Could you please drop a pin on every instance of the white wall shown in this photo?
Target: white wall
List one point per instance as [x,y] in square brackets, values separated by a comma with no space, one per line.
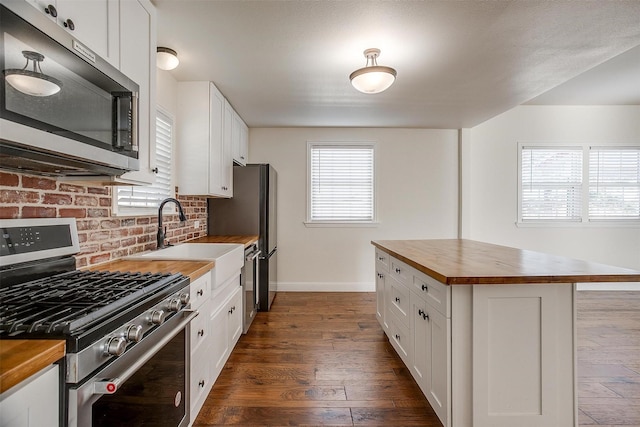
[493,176]
[417,195]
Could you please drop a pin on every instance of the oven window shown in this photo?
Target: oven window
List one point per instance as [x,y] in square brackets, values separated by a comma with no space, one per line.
[153,396]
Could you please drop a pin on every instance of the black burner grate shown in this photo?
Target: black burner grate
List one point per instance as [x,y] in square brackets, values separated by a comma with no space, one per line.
[67,302]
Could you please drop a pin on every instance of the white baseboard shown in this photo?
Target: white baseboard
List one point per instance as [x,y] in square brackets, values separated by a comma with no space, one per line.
[628,286]
[326,287]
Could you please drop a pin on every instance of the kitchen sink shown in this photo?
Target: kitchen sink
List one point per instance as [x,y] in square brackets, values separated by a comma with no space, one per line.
[228,257]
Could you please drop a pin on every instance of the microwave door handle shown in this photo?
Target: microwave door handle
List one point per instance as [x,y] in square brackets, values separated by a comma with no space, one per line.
[110,386]
[134,121]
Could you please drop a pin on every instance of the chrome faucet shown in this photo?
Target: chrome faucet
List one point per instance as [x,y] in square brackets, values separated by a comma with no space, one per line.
[161,232]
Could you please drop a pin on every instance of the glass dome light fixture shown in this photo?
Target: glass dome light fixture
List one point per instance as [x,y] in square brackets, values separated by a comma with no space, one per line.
[166,59]
[373,78]
[34,83]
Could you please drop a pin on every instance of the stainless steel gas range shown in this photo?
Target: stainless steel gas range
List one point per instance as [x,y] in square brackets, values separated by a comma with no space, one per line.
[126,333]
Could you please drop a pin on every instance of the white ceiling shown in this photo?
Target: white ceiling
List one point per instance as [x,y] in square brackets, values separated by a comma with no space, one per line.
[459,63]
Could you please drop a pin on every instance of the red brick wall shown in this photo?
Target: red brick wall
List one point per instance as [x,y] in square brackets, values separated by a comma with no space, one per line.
[103,237]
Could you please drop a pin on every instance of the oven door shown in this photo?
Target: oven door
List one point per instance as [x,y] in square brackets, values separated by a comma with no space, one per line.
[146,386]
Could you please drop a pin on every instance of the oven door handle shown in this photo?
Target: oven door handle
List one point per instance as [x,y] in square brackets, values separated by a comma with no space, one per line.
[110,386]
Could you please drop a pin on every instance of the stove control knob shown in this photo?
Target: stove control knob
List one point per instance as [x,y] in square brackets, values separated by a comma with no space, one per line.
[174,305]
[133,333]
[115,346]
[157,317]
[185,298]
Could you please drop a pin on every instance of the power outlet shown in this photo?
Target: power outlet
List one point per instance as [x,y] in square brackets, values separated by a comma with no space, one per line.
[196,224]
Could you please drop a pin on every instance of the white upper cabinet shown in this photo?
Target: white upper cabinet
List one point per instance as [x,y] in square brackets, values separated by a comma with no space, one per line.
[137,61]
[240,139]
[94,23]
[201,150]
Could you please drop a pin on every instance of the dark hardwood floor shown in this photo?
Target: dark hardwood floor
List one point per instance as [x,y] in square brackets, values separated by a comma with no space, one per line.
[609,358]
[322,359]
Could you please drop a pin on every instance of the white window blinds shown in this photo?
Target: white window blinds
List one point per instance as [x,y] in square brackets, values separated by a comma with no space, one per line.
[614,183]
[551,184]
[150,196]
[341,182]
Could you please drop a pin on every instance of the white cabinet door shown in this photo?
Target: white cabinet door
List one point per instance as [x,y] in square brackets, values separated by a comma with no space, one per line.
[32,403]
[137,61]
[380,299]
[240,137]
[438,380]
[219,350]
[217,125]
[93,23]
[235,317]
[226,155]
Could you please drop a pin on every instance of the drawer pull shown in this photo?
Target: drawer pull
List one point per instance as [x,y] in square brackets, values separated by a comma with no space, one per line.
[380,276]
[380,258]
[201,332]
[201,383]
[425,288]
[398,337]
[200,292]
[398,270]
[397,299]
[424,315]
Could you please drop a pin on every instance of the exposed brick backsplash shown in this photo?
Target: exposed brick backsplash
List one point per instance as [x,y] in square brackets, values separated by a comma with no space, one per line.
[102,235]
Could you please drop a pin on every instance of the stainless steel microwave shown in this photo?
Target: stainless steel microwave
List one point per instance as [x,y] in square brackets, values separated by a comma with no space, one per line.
[64,111]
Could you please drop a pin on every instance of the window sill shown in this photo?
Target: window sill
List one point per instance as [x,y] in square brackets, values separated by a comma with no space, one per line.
[574,224]
[338,224]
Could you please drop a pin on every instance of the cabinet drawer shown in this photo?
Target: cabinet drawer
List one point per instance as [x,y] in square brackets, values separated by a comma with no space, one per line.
[400,338]
[432,291]
[398,302]
[382,261]
[200,327]
[200,290]
[401,271]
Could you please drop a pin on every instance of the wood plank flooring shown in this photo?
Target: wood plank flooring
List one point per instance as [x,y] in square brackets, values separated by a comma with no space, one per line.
[609,358]
[322,359]
[316,359]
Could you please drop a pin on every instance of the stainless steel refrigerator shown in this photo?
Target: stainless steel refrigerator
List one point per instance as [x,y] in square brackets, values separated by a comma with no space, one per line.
[252,211]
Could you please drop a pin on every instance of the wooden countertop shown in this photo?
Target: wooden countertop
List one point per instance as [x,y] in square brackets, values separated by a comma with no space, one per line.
[245,240]
[465,262]
[193,269]
[19,359]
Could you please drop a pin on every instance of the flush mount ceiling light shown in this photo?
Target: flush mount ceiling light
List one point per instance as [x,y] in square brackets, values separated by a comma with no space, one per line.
[373,78]
[35,82]
[166,59]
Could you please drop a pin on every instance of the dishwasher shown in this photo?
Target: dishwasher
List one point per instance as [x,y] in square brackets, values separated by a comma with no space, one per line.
[249,281]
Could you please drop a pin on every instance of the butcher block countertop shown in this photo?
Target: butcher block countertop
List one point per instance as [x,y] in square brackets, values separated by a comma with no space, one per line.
[193,269]
[19,359]
[245,240]
[468,262]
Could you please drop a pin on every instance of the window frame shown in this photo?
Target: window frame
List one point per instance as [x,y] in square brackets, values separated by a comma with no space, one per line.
[309,222]
[151,211]
[586,220]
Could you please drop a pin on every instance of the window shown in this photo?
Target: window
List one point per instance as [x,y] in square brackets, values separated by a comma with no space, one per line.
[614,183]
[551,184]
[146,199]
[341,183]
[579,183]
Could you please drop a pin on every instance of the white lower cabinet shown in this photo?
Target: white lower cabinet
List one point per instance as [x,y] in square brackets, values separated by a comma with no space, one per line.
[483,355]
[412,310]
[214,333]
[431,345]
[32,403]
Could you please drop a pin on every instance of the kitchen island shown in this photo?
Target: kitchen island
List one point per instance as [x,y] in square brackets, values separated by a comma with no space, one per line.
[487,331]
